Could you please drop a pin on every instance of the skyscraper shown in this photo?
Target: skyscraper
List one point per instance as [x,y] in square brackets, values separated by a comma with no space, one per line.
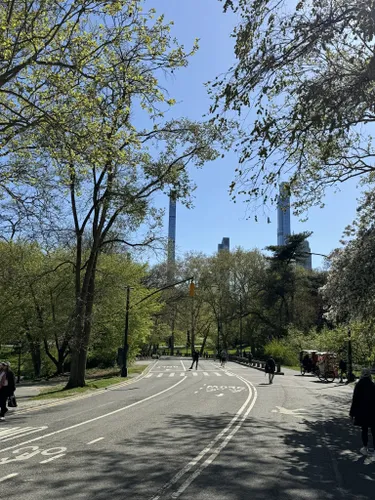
[224,245]
[283,214]
[171,236]
[305,259]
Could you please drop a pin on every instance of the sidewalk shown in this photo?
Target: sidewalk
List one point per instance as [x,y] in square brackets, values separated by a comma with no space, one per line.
[25,392]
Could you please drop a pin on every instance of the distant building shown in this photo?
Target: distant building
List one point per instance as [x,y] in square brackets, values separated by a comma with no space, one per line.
[224,245]
[283,215]
[305,260]
[171,258]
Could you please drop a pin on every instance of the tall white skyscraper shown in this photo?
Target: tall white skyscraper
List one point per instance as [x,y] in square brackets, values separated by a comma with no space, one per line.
[283,214]
[171,236]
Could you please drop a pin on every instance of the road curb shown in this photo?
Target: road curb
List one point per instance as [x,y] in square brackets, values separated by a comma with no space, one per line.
[50,404]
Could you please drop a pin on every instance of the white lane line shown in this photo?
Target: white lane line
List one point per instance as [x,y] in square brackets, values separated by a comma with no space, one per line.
[52,458]
[171,374]
[148,375]
[9,476]
[96,440]
[219,395]
[216,452]
[182,374]
[159,375]
[22,432]
[209,447]
[114,412]
[205,374]
[183,366]
[195,374]
[217,374]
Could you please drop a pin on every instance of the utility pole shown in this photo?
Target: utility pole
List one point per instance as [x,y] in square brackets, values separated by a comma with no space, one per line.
[124,369]
[191,293]
[241,326]
[350,358]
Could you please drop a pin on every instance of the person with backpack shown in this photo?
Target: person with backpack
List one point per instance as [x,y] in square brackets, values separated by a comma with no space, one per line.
[270,369]
[3,391]
[195,360]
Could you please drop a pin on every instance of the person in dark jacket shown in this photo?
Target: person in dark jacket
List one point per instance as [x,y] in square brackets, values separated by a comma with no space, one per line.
[11,379]
[343,370]
[270,368]
[195,360]
[363,408]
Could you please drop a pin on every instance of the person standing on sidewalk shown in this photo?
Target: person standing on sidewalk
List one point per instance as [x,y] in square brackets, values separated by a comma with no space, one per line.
[195,360]
[270,369]
[363,409]
[3,391]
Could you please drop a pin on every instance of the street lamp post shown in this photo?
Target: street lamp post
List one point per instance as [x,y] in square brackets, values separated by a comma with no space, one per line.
[241,326]
[124,369]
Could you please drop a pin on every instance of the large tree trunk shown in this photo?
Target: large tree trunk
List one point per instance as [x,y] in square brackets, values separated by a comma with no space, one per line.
[82,330]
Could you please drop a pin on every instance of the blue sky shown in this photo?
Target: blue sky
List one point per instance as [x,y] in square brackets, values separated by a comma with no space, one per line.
[214,214]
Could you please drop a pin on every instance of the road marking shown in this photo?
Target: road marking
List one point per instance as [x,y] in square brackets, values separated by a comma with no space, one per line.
[219,395]
[249,403]
[9,476]
[182,374]
[52,458]
[15,432]
[148,375]
[171,374]
[216,452]
[205,374]
[183,366]
[217,374]
[114,412]
[159,375]
[96,440]
[195,374]
[293,413]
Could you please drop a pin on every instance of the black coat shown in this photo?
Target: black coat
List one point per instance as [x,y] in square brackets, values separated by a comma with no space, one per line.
[11,382]
[363,403]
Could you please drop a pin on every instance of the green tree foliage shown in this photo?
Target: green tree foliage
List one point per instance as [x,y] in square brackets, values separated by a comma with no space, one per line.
[307,69]
[95,175]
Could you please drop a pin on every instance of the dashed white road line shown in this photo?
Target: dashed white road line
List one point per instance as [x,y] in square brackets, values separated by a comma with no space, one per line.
[195,374]
[52,458]
[217,374]
[183,366]
[241,415]
[95,419]
[205,374]
[171,374]
[9,476]
[159,375]
[95,440]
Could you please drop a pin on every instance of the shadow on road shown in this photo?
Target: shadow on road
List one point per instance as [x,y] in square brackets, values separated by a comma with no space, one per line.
[266,460]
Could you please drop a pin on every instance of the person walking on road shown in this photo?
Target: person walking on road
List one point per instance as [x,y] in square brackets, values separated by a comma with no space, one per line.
[224,357]
[270,369]
[195,360]
[362,409]
[11,385]
[343,370]
[3,391]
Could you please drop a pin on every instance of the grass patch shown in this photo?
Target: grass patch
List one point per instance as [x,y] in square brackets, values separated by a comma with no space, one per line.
[95,380]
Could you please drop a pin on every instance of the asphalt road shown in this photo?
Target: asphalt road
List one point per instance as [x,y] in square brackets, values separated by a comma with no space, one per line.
[210,434]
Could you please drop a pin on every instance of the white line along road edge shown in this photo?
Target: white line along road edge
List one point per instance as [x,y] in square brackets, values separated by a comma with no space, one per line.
[65,429]
[242,414]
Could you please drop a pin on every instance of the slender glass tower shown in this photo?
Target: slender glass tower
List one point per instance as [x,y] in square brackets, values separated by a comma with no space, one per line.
[171,259]
[283,214]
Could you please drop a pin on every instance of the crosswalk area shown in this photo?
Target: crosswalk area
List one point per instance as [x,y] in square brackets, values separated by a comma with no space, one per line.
[188,373]
[8,433]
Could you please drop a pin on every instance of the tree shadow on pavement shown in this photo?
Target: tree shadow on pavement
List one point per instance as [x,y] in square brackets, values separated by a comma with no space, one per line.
[267,459]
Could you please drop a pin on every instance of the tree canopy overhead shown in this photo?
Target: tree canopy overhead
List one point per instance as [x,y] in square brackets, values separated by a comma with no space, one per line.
[307,70]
